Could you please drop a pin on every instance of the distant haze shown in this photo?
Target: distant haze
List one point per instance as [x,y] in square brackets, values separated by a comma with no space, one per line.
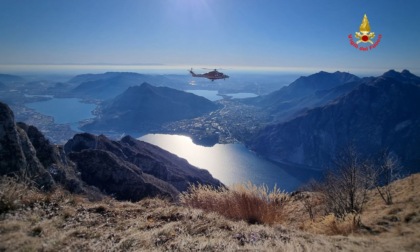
[182,70]
[293,36]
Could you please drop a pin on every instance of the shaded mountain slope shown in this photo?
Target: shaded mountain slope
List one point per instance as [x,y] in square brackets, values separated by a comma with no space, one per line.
[17,154]
[9,79]
[146,107]
[305,93]
[121,179]
[144,157]
[378,115]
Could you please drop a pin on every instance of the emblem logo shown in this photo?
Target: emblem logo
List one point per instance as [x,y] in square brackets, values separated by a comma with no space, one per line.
[364,35]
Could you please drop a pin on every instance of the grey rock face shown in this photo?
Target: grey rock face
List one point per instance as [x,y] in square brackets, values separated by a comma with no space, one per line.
[148,158]
[17,154]
[119,178]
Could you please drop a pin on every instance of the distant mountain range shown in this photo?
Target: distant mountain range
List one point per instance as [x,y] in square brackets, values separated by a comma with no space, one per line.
[108,85]
[11,79]
[372,114]
[145,107]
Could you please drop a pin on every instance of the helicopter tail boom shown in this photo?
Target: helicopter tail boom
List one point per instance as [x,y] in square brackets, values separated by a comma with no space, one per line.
[192,73]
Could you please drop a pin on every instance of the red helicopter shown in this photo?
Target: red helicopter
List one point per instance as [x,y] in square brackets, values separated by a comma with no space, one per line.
[212,75]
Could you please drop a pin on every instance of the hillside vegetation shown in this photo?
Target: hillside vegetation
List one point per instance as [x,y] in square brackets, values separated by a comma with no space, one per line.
[32,220]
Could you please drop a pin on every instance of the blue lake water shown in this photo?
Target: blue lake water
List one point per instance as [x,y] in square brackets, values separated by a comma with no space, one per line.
[64,110]
[242,95]
[212,95]
[230,163]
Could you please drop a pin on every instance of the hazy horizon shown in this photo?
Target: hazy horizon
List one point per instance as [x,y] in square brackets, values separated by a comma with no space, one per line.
[162,69]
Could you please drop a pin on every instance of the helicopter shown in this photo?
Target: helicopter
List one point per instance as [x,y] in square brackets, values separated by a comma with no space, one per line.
[212,75]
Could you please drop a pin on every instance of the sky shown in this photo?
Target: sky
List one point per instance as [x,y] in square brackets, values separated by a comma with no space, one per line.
[247,34]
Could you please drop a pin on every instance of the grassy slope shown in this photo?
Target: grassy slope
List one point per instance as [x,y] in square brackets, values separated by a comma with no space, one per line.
[61,221]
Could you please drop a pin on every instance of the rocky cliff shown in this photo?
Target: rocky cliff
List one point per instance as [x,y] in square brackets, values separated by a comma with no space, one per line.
[143,157]
[17,154]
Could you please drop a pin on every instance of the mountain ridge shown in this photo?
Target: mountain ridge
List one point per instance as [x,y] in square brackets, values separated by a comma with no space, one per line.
[381,110]
[146,107]
[304,93]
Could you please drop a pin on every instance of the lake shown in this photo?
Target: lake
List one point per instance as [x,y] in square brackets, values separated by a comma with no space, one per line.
[230,163]
[64,110]
[213,95]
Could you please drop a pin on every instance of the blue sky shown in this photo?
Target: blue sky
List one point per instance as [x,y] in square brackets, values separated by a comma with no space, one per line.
[216,33]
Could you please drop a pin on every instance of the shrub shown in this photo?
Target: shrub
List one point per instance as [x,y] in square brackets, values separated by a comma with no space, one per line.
[15,193]
[331,225]
[246,202]
[388,170]
[346,186]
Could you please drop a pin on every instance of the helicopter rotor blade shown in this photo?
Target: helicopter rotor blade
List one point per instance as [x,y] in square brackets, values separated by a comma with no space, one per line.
[217,68]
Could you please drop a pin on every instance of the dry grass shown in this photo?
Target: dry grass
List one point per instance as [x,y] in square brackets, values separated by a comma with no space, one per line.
[246,202]
[60,221]
[14,194]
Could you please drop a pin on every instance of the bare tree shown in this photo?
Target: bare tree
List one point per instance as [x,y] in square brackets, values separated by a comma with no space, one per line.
[346,186]
[388,170]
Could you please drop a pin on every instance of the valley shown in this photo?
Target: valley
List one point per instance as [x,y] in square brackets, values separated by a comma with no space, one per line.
[234,122]
[300,126]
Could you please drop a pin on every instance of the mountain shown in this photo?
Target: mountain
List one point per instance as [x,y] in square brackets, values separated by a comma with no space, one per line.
[140,157]
[3,86]
[127,170]
[145,107]
[380,114]
[119,178]
[404,76]
[11,79]
[304,93]
[308,84]
[110,84]
[17,153]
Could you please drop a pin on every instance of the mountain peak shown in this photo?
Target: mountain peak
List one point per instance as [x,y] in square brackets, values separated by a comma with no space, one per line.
[145,107]
[146,85]
[404,76]
[405,71]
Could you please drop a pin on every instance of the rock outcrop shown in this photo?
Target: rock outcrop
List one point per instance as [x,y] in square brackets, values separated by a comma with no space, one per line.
[119,178]
[17,154]
[144,157]
[54,160]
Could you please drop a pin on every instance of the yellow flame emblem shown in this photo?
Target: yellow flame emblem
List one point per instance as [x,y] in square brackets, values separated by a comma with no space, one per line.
[365,36]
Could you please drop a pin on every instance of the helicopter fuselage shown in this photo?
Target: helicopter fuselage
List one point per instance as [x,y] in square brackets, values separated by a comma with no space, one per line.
[212,75]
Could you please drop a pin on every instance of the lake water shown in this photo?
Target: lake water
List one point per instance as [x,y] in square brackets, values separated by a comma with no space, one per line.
[213,95]
[64,110]
[230,163]
[242,95]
